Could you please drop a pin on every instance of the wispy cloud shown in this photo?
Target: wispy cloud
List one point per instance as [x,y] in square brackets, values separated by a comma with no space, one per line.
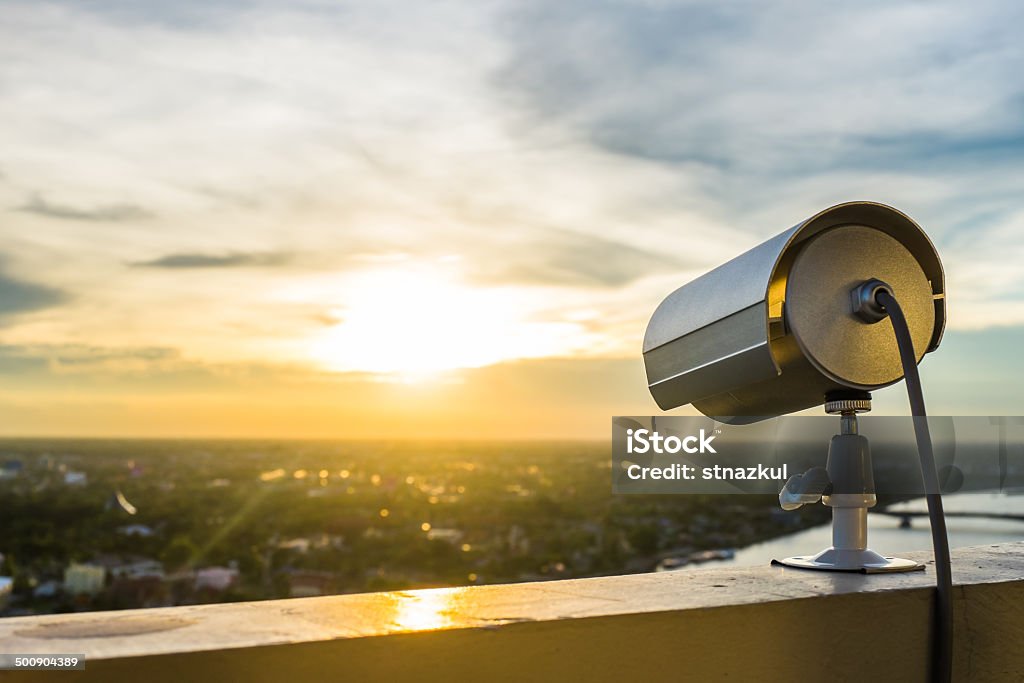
[57,358]
[572,259]
[22,296]
[230,260]
[126,392]
[37,204]
[769,93]
[775,120]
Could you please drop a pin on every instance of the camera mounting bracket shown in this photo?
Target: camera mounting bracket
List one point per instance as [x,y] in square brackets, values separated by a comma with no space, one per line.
[849,491]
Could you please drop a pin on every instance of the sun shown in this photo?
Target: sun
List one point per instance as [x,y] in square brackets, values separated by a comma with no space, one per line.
[413,323]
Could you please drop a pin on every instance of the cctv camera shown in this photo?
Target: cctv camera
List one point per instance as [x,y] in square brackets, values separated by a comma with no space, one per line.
[794,319]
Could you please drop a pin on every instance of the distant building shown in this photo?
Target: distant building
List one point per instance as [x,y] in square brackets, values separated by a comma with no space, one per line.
[73,478]
[303,545]
[6,587]
[452,536]
[518,542]
[310,584]
[10,469]
[85,579]
[138,569]
[140,530]
[216,578]
[47,589]
[130,567]
[299,545]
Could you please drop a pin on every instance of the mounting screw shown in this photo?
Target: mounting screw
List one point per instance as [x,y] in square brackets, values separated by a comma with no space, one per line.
[865,302]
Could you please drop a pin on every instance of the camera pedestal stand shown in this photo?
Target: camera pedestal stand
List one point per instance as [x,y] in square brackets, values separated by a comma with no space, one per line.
[847,486]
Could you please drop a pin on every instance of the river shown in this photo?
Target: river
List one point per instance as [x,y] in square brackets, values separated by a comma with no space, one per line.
[886,537]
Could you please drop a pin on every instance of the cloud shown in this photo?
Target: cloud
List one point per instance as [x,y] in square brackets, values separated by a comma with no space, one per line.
[21,296]
[571,259]
[775,121]
[78,370]
[114,213]
[186,260]
[725,85]
[553,397]
[570,148]
[182,398]
[80,357]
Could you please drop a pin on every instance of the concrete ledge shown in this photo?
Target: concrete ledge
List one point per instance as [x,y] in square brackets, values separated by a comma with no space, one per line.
[763,623]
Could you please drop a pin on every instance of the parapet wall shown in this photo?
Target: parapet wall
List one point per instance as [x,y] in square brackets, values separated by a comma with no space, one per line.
[736,624]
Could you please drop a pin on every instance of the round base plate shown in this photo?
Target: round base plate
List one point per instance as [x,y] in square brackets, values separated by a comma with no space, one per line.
[863,561]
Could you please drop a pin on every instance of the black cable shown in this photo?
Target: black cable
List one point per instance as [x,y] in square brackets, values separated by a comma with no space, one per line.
[942,655]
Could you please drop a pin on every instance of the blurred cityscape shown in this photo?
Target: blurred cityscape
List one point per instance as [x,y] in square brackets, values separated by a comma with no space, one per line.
[97,524]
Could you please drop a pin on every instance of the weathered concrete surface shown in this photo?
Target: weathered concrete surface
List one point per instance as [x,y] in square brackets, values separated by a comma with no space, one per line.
[763,623]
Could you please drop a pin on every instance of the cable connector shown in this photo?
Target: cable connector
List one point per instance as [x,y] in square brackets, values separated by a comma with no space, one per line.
[864,298]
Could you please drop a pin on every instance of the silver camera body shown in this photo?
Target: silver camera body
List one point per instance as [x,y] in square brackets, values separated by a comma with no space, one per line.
[775,329]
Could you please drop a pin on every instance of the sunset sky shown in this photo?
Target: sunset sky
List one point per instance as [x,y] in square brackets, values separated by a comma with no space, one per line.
[397,218]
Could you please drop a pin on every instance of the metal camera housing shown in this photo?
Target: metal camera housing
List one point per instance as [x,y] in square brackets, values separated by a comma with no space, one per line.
[777,328]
